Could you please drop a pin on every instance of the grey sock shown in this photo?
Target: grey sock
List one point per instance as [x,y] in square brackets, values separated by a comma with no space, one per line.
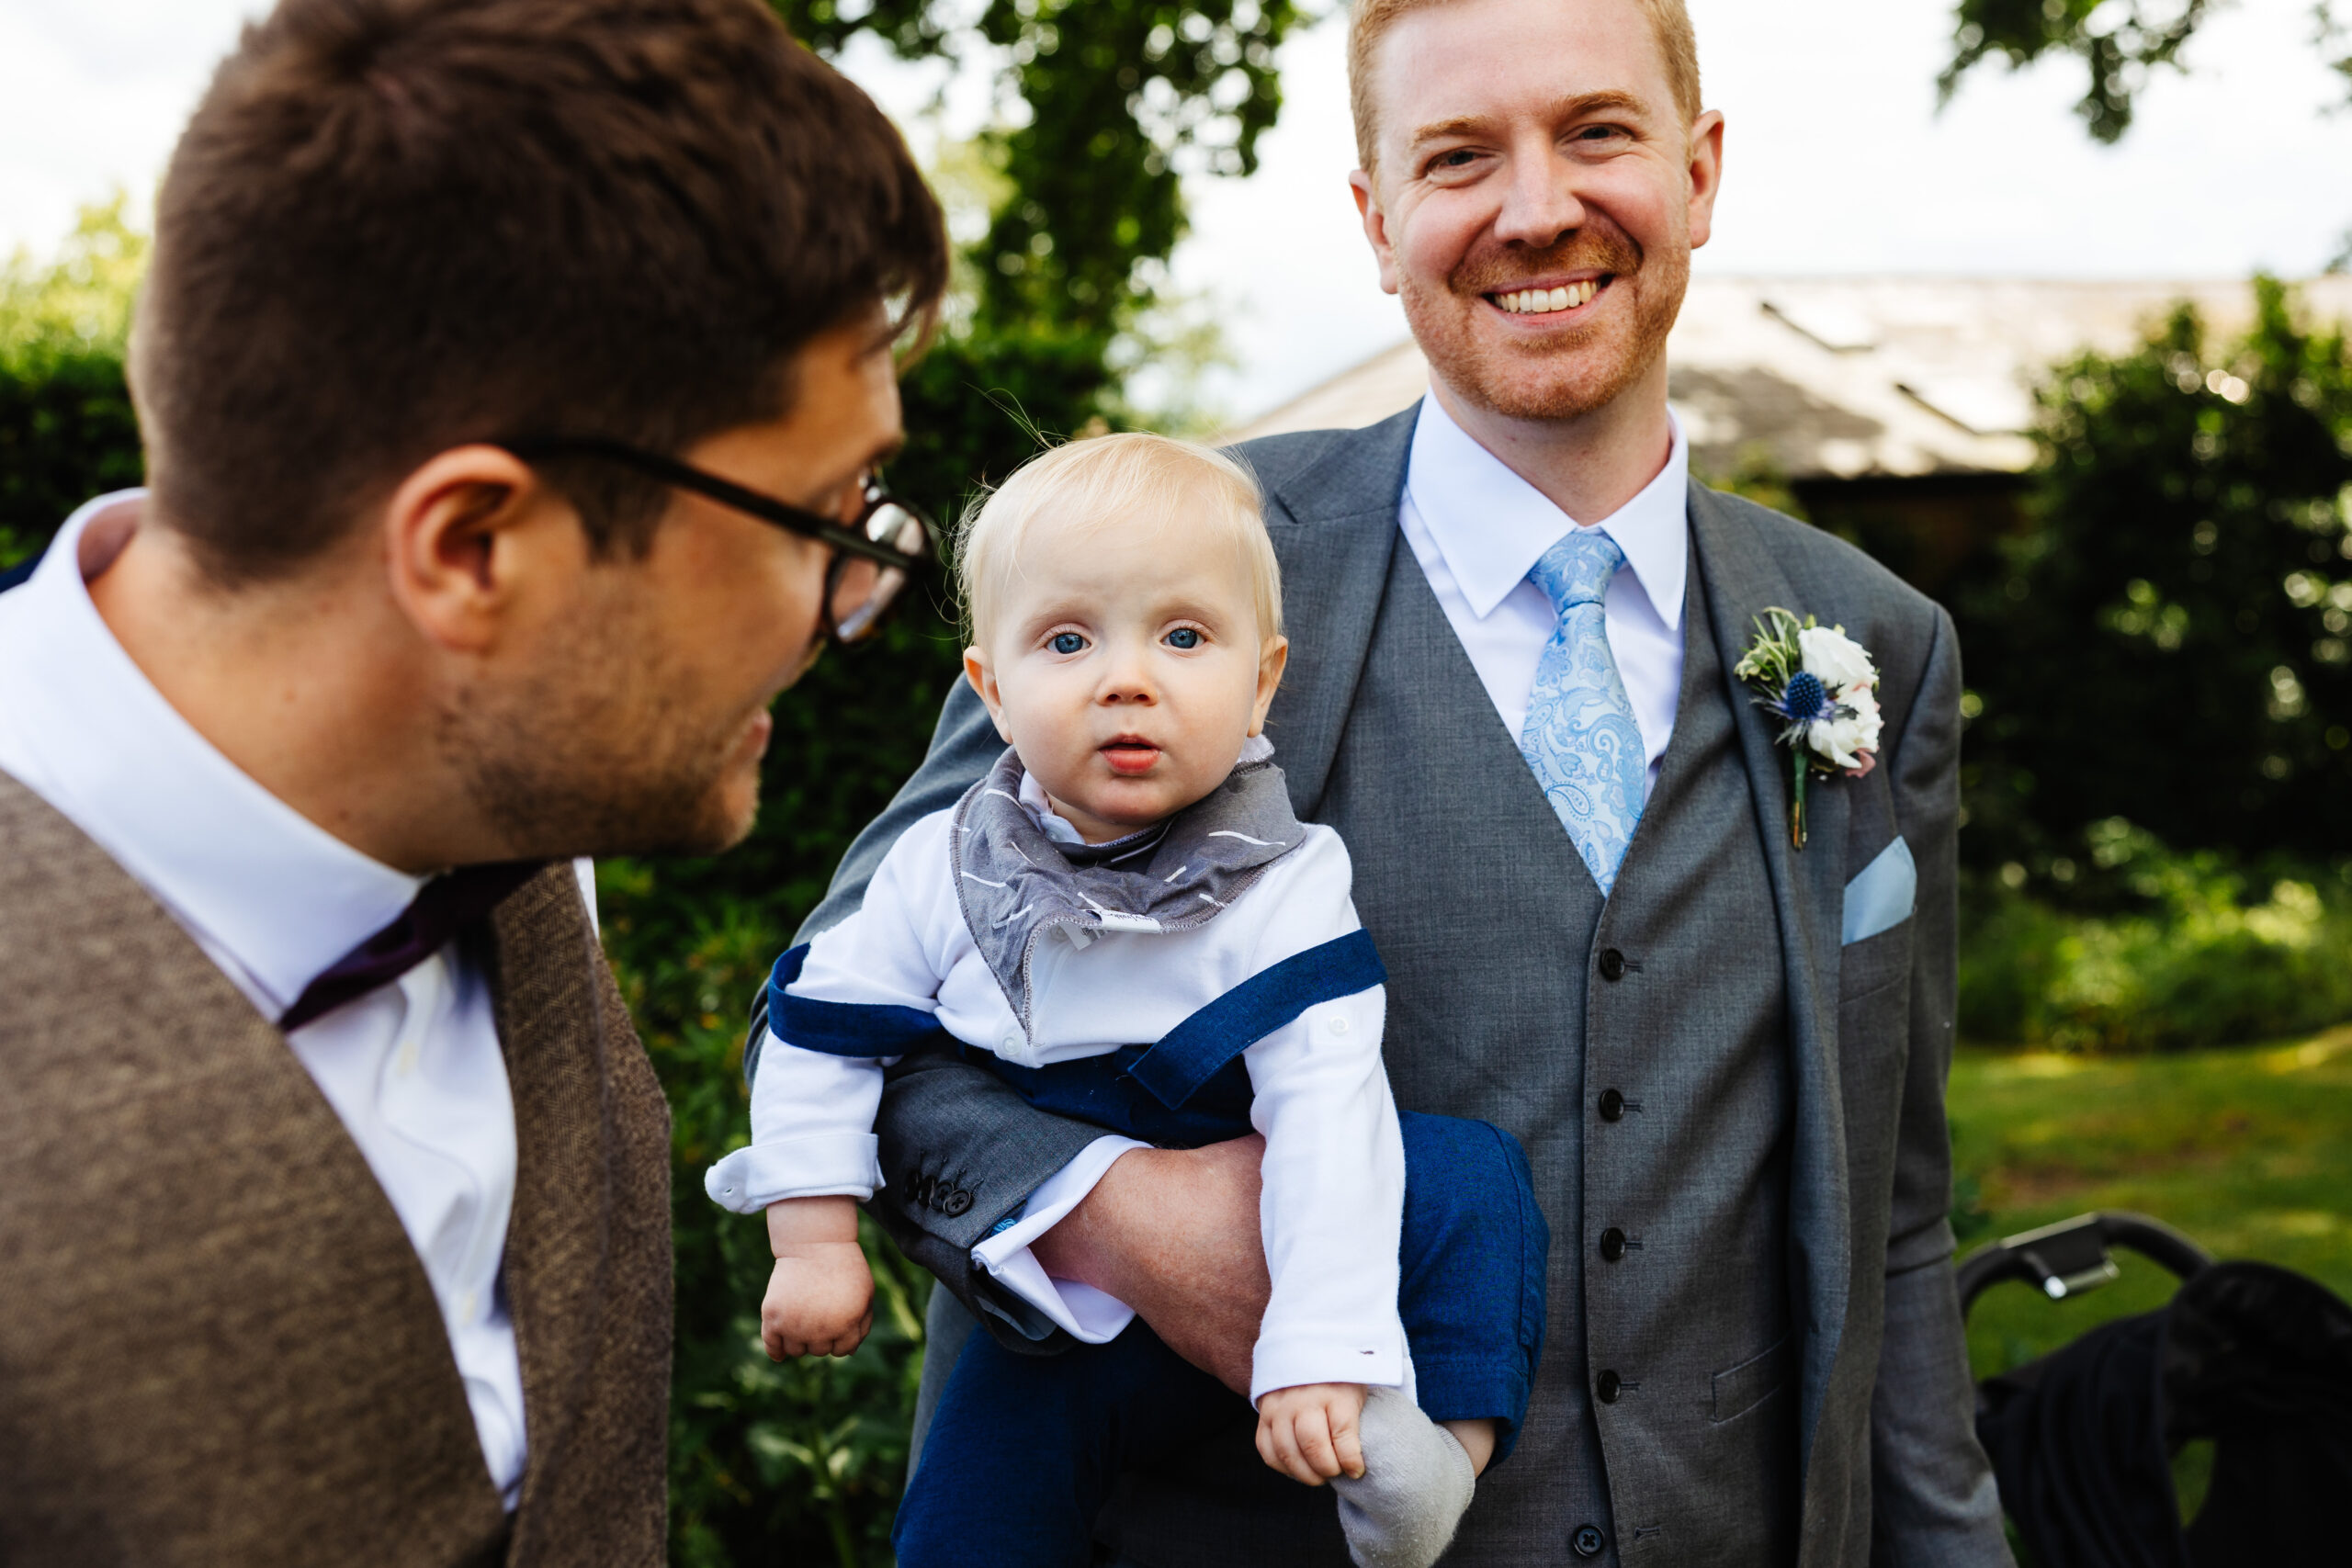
[1417,1481]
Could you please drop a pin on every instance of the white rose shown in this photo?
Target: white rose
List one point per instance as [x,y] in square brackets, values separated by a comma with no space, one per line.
[1845,740]
[1835,658]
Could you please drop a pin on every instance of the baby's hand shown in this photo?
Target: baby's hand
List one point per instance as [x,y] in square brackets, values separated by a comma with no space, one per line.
[821,1295]
[1309,1432]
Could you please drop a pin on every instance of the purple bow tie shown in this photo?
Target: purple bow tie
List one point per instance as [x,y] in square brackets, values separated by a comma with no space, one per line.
[446,906]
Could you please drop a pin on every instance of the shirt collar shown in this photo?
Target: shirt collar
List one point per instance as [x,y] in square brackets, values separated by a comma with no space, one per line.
[284,898]
[1492,526]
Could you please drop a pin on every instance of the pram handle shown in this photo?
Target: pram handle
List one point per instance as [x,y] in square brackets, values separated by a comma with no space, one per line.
[2072,1256]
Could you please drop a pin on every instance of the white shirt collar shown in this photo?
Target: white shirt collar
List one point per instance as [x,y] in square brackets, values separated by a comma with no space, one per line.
[86,730]
[1492,526]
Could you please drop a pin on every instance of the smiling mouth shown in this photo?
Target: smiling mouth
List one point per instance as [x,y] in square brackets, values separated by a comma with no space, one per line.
[1130,754]
[1560,299]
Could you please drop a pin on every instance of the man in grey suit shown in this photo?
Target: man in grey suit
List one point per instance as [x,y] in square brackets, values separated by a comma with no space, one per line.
[1725,1054]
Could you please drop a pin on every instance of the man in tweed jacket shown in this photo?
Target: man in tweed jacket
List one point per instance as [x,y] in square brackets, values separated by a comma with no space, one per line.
[334,1180]
[1724,1054]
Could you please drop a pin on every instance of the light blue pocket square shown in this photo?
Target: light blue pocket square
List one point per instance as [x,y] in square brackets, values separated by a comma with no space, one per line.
[1882,897]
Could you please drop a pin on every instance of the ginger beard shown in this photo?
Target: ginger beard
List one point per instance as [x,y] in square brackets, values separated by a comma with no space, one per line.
[1568,370]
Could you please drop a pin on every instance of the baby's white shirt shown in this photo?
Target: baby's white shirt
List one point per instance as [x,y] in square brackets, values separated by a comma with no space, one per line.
[1334,1169]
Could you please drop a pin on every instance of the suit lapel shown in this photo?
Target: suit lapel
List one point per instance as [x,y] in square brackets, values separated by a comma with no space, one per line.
[1334,527]
[559,1243]
[1808,888]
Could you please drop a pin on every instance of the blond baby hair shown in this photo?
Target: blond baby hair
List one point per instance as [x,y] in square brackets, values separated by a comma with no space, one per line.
[1127,481]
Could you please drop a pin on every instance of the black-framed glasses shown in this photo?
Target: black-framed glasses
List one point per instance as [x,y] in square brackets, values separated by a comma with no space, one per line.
[875,554]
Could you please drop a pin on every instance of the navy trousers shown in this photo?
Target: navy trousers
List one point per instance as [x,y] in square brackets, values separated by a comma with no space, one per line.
[1023,1450]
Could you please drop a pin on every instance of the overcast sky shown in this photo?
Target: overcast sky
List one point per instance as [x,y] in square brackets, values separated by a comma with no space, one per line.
[1837,161]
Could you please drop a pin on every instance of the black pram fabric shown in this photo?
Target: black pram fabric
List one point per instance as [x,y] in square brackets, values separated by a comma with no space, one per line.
[2254,1358]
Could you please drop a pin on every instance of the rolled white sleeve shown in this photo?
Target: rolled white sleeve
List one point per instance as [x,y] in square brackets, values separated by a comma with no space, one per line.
[812,1132]
[812,1112]
[1092,1317]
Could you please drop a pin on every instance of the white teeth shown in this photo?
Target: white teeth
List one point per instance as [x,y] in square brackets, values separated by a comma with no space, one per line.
[1544,301]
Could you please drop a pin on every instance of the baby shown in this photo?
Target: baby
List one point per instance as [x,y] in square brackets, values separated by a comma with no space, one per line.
[1125,921]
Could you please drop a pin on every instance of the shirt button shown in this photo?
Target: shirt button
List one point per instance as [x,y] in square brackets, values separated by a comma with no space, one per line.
[1608,1385]
[467,1306]
[1612,1105]
[1612,965]
[1011,1042]
[1587,1541]
[405,1063]
[1338,1025]
[1612,1244]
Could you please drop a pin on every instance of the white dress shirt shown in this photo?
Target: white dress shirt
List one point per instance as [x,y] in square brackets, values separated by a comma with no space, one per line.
[1334,1168]
[414,1070]
[1478,529]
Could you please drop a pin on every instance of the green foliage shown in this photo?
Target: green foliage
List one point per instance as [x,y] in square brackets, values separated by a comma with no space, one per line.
[78,304]
[801,1460]
[66,433]
[2171,640]
[66,428]
[1120,98]
[2137,948]
[2119,41]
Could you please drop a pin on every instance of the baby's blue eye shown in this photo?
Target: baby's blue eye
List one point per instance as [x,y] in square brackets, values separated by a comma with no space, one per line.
[1067,642]
[1184,636]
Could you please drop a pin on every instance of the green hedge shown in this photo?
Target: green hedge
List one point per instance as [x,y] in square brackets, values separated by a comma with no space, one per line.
[66,433]
[2137,948]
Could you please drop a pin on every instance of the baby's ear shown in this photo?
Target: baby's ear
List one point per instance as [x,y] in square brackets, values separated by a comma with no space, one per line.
[1273,656]
[983,680]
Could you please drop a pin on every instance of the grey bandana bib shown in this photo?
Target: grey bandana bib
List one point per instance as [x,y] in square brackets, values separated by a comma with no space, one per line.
[1018,886]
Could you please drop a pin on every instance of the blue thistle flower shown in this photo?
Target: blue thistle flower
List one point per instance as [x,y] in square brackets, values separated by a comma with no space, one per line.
[1803,700]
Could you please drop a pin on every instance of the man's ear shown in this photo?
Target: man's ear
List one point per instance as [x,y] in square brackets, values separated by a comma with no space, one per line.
[1272,658]
[1706,175]
[1375,226]
[467,534]
[983,680]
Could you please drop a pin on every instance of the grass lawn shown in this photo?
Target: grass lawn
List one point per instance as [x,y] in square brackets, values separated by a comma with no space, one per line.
[2249,1151]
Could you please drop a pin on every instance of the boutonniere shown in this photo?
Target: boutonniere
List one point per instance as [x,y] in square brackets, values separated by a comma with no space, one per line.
[1823,687]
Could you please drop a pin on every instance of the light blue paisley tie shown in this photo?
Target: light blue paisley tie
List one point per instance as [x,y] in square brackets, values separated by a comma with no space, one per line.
[1580,737]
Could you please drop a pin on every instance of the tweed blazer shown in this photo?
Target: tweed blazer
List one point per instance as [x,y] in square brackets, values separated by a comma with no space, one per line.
[1891,1470]
[217,1343]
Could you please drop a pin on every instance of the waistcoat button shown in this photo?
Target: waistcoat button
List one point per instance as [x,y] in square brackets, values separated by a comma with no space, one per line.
[1612,965]
[1612,1244]
[1608,1385]
[1612,1105]
[1587,1541]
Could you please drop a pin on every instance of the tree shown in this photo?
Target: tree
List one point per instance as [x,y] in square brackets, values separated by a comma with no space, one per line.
[2170,641]
[2121,42]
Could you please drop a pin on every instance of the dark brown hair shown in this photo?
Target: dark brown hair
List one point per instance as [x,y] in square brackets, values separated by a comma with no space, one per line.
[395,226]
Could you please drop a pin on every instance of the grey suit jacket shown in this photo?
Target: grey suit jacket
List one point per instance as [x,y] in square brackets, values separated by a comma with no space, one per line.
[1891,1471]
